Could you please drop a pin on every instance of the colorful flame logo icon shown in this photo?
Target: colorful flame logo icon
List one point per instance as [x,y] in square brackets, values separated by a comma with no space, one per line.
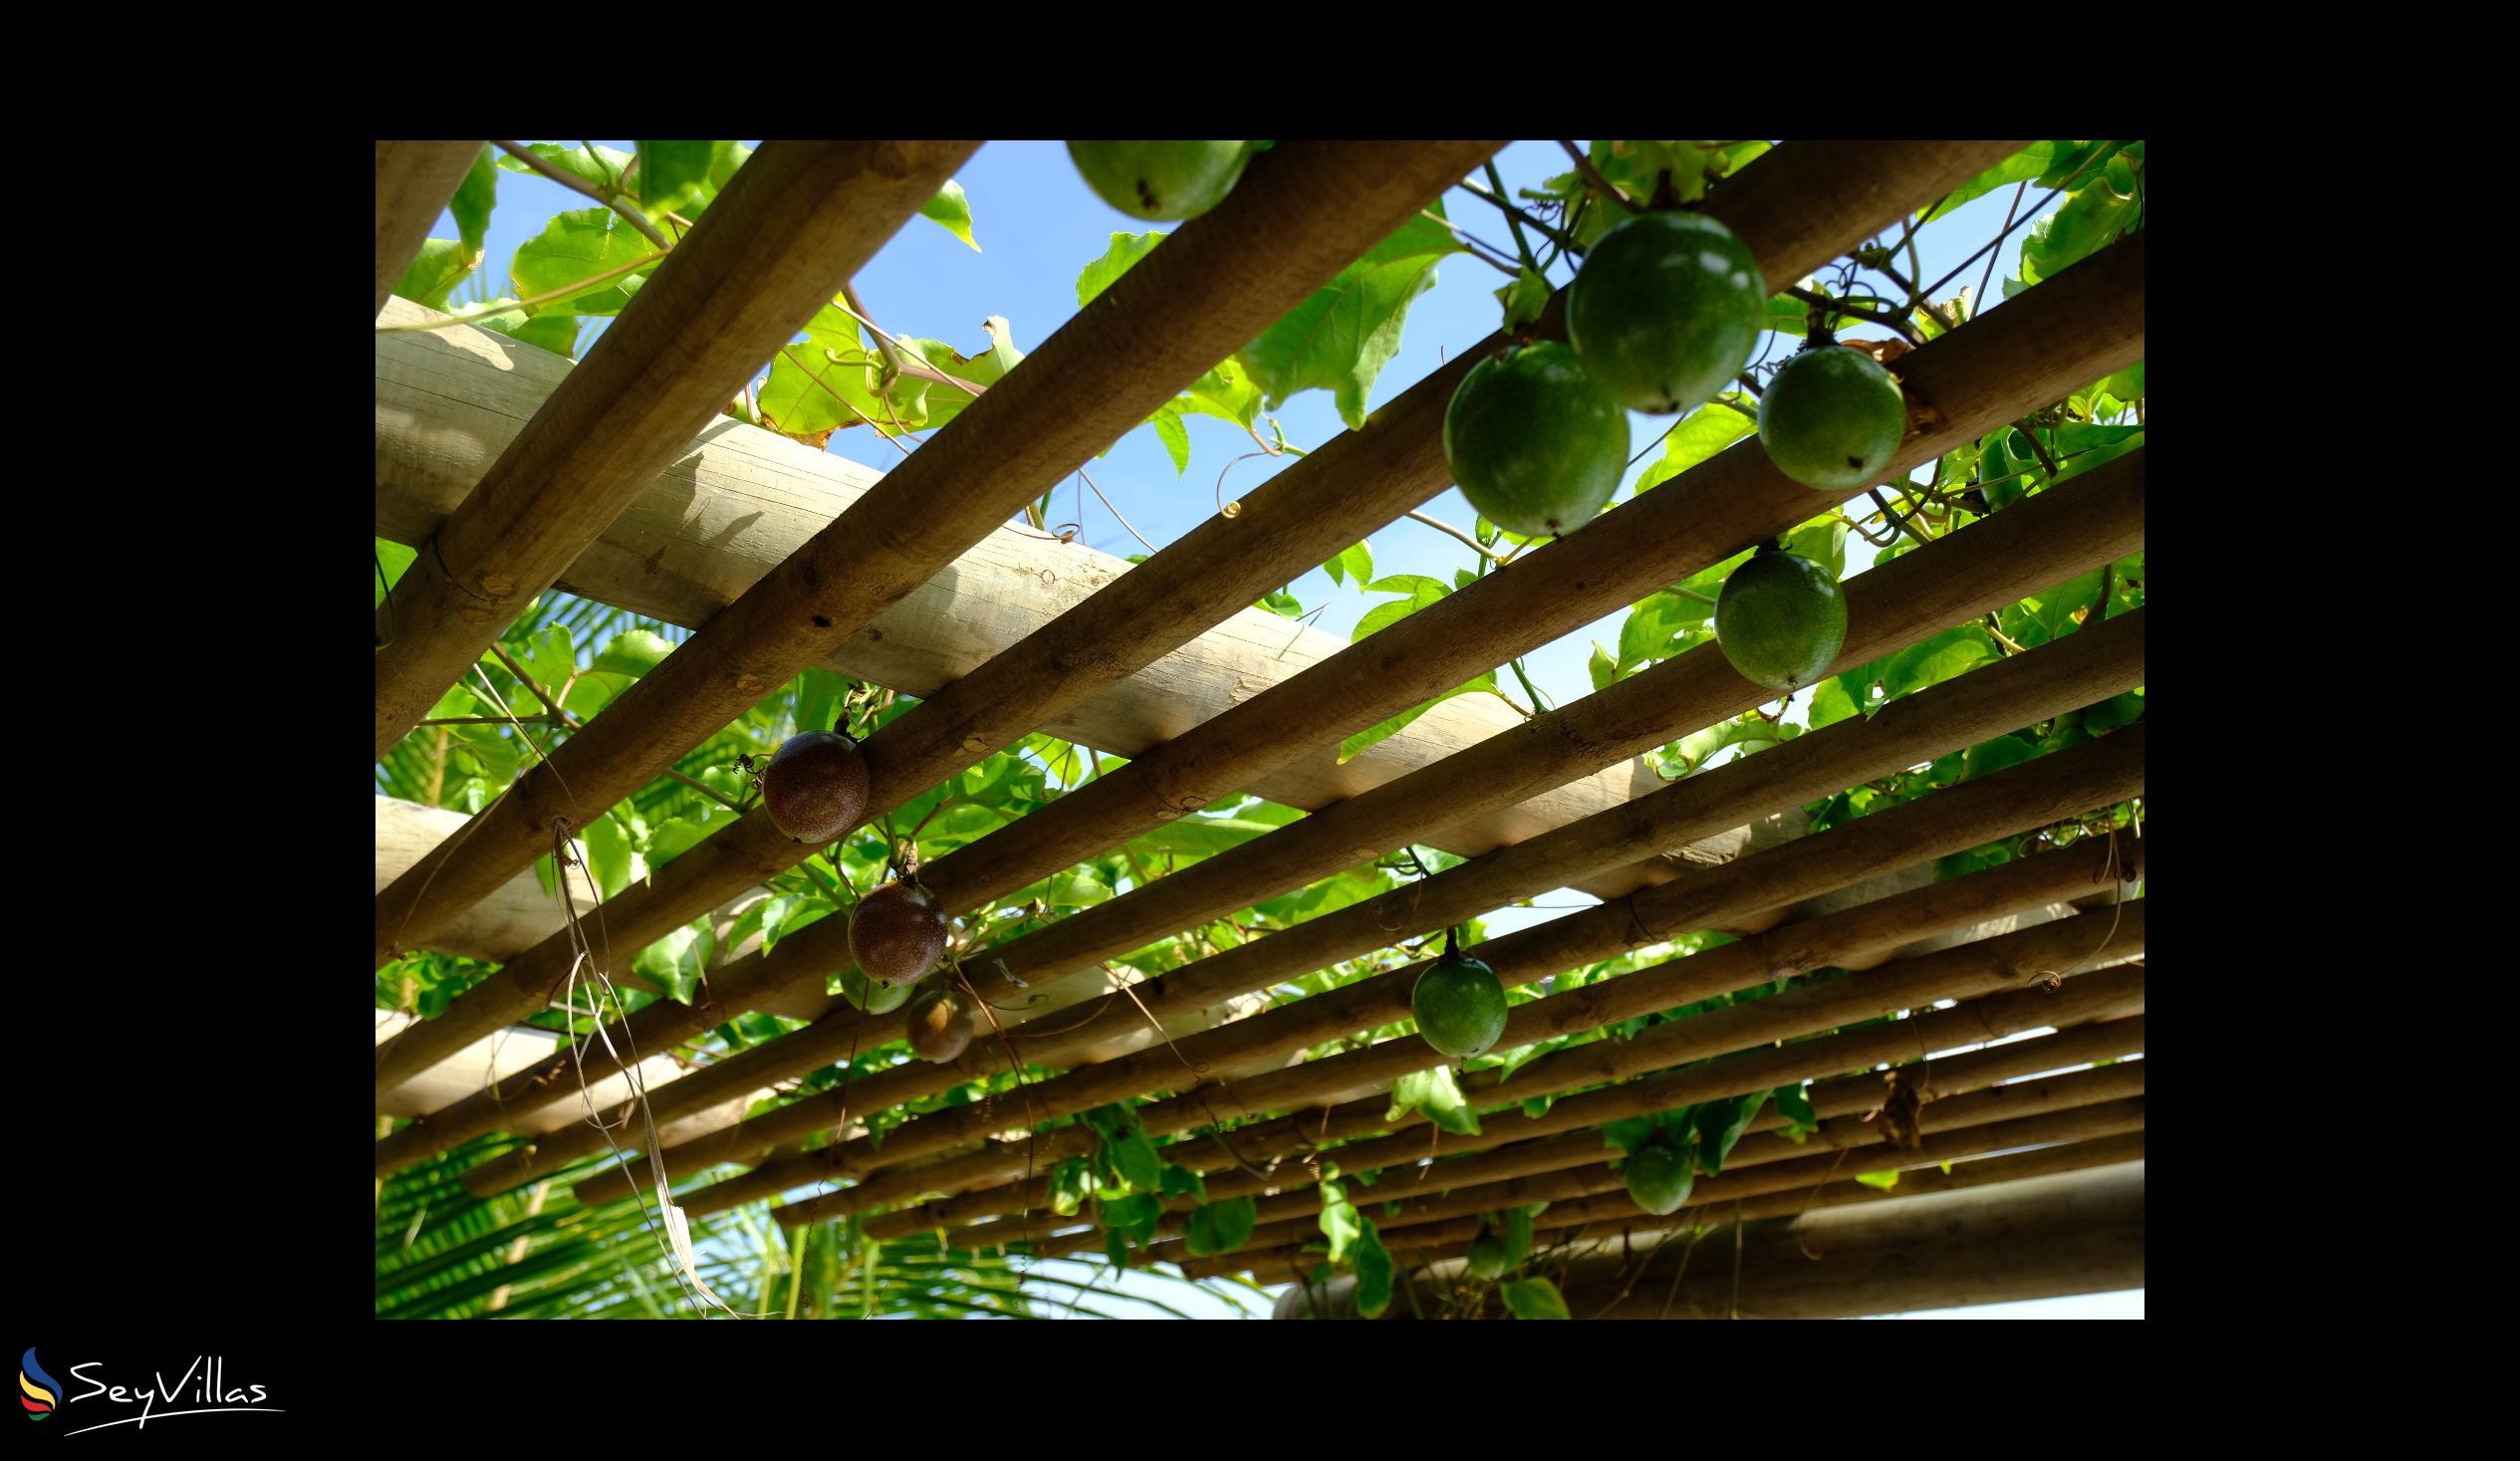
[41,1391]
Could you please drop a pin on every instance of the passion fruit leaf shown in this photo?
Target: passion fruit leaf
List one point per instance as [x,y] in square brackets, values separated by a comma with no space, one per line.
[1221,1227]
[441,264]
[673,175]
[1125,250]
[1795,1107]
[1071,1182]
[1524,300]
[1375,1270]
[1135,1214]
[605,167]
[633,653]
[2023,167]
[557,332]
[1720,1124]
[1883,1180]
[1341,1223]
[1629,1132]
[1355,563]
[1534,1298]
[950,210]
[1340,339]
[474,199]
[1518,1232]
[577,246]
[611,857]
[1988,757]
[1422,591]
[1602,669]
[1701,437]
[1356,745]
[1434,1095]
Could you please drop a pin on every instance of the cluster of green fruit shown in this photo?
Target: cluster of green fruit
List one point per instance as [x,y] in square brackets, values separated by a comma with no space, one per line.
[1660,318]
[815,789]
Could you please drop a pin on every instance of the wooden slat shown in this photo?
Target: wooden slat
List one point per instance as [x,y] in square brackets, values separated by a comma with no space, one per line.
[1300,214]
[2026,795]
[415,181]
[725,514]
[2078,670]
[795,222]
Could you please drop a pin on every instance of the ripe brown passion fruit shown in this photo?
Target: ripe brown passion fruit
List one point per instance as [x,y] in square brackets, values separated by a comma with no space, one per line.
[898,933]
[816,788]
[941,1025]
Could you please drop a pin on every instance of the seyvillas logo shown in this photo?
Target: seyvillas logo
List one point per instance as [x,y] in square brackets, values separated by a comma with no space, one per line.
[41,1391]
[203,1389]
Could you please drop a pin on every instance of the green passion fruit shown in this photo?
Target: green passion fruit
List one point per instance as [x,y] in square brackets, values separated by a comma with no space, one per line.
[1491,1257]
[1831,419]
[1459,1005]
[1533,445]
[814,789]
[1781,619]
[939,1026]
[873,998]
[1160,181]
[1666,311]
[898,933]
[1658,1176]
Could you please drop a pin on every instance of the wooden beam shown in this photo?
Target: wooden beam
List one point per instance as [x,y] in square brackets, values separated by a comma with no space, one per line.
[2082,1231]
[415,181]
[791,227]
[2102,313]
[1300,214]
[2036,348]
[2056,786]
[2077,670]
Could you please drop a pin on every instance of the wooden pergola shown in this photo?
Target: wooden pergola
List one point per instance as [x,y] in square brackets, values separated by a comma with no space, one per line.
[619,479]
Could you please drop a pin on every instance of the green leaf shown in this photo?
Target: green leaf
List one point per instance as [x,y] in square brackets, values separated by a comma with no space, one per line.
[1433,1095]
[557,332]
[602,167]
[1071,1182]
[441,265]
[474,199]
[676,835]
[1988,757]
[1129,1152]
[1136,1213]
[950,209]
[1524,300]
[1663,625]
[1693,751]
[1720,1125]
[1341,1223]
[1701,437]
[1795,1107]
[578,246]
[1125,250]
[1602,669]
[1629,1132]
[1518,1233]
[2022,166]
[1830,703]
[1883,1180]
[1374,1270]
[1340,339]
[610,856]
[673,175]
[1221,1227]
[1356,745]
[1355,563]
[1534,1298]
[633,653]
[1422,591]
[1180,1181]
[1947,655]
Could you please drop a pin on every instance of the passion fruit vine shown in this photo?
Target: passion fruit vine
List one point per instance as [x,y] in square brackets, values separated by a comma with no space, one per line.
[1160,181]
[939,1026]
[1781,619]
[814,789]
[1666,311]
[1533,445]
[1831,419]
[898,933]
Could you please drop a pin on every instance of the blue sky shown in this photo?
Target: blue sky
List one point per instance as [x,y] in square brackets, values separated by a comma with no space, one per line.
[1038,225]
